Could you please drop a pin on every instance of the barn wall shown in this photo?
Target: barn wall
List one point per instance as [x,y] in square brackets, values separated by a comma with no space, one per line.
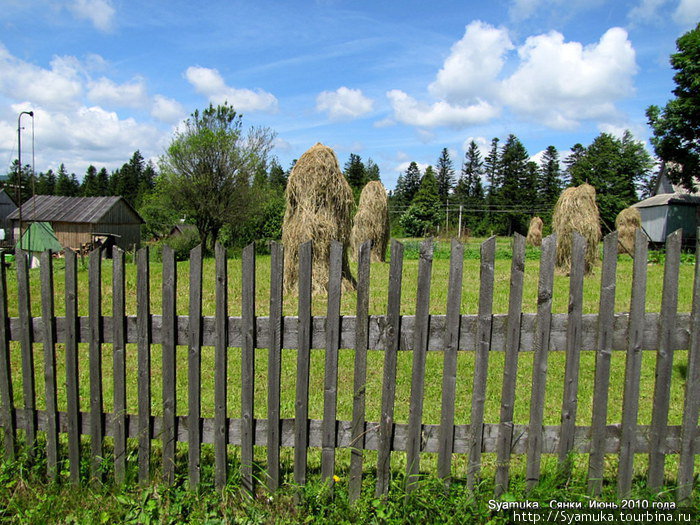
[72,235]
[120,215]
[682,217]
[129,234]
[654,222]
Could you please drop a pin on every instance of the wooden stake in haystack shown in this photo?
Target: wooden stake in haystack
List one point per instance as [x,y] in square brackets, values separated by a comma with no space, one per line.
[319,207]
[371,221]
[627,222]
[576,210]
[534,232]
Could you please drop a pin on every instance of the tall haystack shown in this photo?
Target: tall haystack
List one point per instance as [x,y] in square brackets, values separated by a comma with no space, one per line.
[576,210]
[319,207]
[626,223]
[534,232]
[371,221]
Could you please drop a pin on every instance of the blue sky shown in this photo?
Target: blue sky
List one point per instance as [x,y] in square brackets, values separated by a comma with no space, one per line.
[391,81]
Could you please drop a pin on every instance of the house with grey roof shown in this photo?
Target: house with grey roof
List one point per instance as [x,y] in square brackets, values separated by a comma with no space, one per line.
[77,221]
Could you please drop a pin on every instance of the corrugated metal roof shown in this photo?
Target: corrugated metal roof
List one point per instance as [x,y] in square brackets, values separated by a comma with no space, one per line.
[67,209]
[669,198]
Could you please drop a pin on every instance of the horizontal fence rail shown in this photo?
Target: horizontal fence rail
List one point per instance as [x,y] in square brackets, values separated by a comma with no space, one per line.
[483,334]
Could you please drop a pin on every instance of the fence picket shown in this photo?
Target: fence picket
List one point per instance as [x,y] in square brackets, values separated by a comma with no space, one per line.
[95,356]
[633,365]
[664,361]
[360,376]
[72,395]
[573,352]
[330,387]
[449,374]
[606,320]
[6,394]
[393,339]
[301,413]
[691,407]
[26,341]
[221,362]
[539,364]
[274,368]
[119,363]
[248,367]
[169,331]
[194,368]
[420,347]
[481,360]
[510,368]
[143,328]
[49,342]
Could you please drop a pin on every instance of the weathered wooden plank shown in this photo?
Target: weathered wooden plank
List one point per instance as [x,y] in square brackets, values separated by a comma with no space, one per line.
[72,396]
[143,313]
[301,412]
[691,406]
[248,367]
[449,372]
[573,351]
[539,366]
[420,347]
[551,434]
[664,360]
[330,384]
[26,341]
[510,368]
[6,394]
[481,361]
[602,367]
[360,376]
[274,368]
[49,343]
[633,364]
[393,337]
[119,363]
[95,357]
[194,368]
[221,360]
[168,331]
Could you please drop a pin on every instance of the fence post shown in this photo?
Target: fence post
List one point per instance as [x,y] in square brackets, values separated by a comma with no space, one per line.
[539,362]
[481,359]
[393,338]
[194,368]
[49,322]
[248,367]
[301,413]
[26,341]
[6,394]
[119,361]
[72,396]
[169,340]
[633,364]
[274,368]
[95,353]
[143,328]
[510,368]
[357,441]
[221,361]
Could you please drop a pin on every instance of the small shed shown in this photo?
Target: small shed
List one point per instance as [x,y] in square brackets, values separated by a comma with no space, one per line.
[36,239]
[664,213]
[77,220]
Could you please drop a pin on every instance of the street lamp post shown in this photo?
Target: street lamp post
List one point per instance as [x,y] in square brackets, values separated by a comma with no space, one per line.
[18,192]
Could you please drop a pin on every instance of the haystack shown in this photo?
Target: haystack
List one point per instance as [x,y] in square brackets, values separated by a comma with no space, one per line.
[371,222]
[627,222]
[319,206]
[534,232]
[576,210]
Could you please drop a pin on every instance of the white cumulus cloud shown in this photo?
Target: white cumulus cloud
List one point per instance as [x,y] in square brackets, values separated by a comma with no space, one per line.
[344,103]
[688,13]
[167,109]
[210,83]
[410,111]
[130,94]
[560,83]
[99,12]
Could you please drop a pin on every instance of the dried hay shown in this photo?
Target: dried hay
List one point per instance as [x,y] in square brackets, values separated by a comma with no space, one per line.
[576,210]
[627,222]
[319,206]
[534,232]
[371,222]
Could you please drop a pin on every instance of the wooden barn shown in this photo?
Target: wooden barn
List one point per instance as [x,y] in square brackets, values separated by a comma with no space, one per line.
[77,221]
[7,206]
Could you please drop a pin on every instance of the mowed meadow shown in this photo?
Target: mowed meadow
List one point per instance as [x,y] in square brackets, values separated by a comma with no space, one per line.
[377,306]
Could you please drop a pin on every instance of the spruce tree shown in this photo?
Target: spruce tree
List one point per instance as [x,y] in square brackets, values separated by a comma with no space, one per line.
[549,183]
[445,175]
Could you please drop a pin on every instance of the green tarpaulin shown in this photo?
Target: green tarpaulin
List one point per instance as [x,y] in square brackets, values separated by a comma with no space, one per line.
[39,237]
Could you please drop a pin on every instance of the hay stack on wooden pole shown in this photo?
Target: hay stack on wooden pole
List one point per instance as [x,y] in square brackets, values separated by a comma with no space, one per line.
[627,222]
[534,232]
[576,210]
[319,207]
[371,222]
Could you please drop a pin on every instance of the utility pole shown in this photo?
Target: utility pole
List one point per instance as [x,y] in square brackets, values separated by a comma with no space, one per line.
[459,229]
[18,192]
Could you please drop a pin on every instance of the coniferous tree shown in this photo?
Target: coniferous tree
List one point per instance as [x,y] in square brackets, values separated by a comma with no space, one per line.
[354,172]
[549,183]
[89,187]
[492,168]
[424,214]
[103,182]
[371,170]
[517,186]
[19,181]
[445,175]
[277,177]
[64,188]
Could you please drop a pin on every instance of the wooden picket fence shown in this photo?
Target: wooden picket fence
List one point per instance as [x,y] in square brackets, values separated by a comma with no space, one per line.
[513,333]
